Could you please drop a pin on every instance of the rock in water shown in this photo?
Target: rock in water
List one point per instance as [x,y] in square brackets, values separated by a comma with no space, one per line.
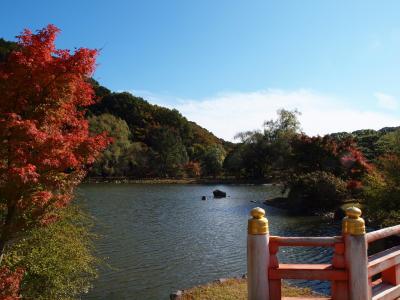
[176,295]
[219,194]
[203,198]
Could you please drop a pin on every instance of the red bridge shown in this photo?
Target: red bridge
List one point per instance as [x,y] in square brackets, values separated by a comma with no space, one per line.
[353,275]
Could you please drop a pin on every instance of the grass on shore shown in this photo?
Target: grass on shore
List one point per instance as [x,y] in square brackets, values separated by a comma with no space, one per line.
[236,289]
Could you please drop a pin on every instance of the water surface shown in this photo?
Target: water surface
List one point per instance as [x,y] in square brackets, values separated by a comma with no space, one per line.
[158,238]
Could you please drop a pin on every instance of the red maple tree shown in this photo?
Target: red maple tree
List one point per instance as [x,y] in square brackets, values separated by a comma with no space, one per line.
[45,144]
[341,158]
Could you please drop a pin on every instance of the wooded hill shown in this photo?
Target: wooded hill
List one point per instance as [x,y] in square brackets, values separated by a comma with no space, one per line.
[152,141]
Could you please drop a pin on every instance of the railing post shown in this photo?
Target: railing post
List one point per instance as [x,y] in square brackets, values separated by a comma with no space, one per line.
[340,288]
[356,256]
[258,256]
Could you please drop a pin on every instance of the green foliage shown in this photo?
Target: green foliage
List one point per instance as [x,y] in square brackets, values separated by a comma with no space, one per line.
[150,141]
[370,142]
[234,163]
[390,143]
[382,201]
[263,151]
[171,154]
[117,158]
[312,154]
[366,140]
[286,126]
[5,48]
[382,187]
[212,160]
[316,192]
[58,258]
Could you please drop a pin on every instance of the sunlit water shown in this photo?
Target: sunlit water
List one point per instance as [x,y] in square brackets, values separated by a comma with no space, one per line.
[159,238]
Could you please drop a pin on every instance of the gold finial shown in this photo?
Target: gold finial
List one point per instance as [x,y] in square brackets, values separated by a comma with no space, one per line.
[352,223]
[258,224]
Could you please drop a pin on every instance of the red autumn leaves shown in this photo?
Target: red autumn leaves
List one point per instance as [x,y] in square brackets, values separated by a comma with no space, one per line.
[45,142]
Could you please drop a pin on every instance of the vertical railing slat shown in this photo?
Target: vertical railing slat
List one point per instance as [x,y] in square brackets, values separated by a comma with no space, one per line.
[340,289]
[275,285]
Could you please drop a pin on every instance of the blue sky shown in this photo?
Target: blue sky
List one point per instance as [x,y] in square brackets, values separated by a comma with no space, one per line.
[229,65]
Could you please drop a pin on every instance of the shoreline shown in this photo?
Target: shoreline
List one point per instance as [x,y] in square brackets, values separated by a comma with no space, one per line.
[234,288]
[124,180]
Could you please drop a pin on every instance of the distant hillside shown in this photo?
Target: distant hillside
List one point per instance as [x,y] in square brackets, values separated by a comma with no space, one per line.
[369,141]
[162,142]
[142,117]
[5,48]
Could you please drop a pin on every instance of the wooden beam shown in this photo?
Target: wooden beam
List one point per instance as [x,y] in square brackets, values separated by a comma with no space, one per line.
[306,241]
[385,291]
[382,233]
[383,260]
[307,272]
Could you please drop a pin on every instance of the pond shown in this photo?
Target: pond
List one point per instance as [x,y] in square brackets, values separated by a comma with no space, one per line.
[158,238]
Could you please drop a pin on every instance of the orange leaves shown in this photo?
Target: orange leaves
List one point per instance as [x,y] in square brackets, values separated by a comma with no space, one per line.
[10,283]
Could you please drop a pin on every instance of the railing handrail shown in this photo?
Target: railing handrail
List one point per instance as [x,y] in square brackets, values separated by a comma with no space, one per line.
[382,233]
[318,241]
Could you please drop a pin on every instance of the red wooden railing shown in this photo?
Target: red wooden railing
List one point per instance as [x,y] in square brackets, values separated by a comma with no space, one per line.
[353,275]
[334,272]
[385,265]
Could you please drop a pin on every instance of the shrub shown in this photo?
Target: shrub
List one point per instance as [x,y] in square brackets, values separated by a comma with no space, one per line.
[58,259]
[316,192]
[382,201]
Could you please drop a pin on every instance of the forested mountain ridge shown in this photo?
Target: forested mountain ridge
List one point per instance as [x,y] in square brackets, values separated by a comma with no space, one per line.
[152,141]
[370,142]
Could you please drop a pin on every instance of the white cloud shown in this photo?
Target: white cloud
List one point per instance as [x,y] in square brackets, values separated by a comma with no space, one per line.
[226,114]
[386,101]
[229,113]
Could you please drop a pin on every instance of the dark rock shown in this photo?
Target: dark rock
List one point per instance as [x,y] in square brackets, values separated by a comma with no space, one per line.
[203,198]
[244,276]
[219,194]
[176,295]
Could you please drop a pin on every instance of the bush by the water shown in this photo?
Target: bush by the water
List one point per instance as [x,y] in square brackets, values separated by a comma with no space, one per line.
[58,259]
[316,192]
[382,190]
